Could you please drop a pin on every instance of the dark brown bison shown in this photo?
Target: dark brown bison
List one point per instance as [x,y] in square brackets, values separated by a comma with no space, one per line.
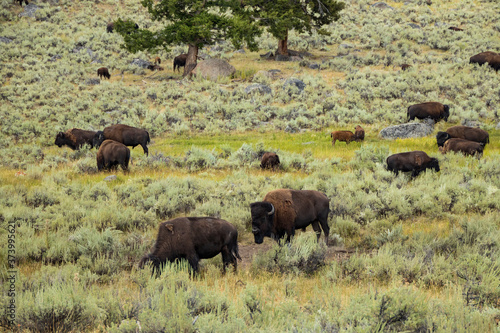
[434,110]
[111,154]
[180,61]
[359,133]
[128,135]
[75,138]
[103,72]
[192,239]
[110,27]
[155,67]
[414,161]
[492,58]
[270,161]
[465,147]
[283,211]
[463,132]
[21,2]
[455,29]
[346,136]
[405,67]
[157,61]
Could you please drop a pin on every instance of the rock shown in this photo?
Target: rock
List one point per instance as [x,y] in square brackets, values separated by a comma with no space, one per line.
[240,51]
[403,131]
[281,57]
[498,126]
[213,69]
[268,55]
[290,83]
[414,26]
[5,40]
[110,178]
[260,88]
[29,10]
[381,5]
[141,63]
[295,58]
[345,46]
[92,82]
[55,57]
[314,66]
[471,123]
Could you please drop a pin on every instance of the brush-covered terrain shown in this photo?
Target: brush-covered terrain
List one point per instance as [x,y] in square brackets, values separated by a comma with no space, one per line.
[412,255]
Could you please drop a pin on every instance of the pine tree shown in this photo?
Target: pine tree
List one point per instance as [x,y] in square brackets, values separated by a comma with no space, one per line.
[195,22]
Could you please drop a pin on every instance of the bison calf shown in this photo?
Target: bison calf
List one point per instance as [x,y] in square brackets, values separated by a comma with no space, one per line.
[110,27]
[463,132]
[103,72]
[346,136]
[111,154]
[180,61]
[75,138]
[269,161]
[466,147]
[433,110]
[192,239]
[128,135]
[414,161]
[157,61]
[359,133]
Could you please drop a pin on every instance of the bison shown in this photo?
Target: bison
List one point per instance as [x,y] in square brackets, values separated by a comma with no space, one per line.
[128,135]
[75,138]
[434,110]
[180,61]
[194,238]
[463,132]
[110,27]
[359,133]
[405,67]
[157,61]
[414,161]
[103,72]
[465,147]
[283,211]
[346,136]
[492,58]
[455,29]
[111,154]
[269,161]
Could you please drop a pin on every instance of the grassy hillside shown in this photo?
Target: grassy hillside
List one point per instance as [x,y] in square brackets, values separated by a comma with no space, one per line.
[405,255]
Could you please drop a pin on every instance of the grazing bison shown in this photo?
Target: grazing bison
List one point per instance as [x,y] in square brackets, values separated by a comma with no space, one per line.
[414,161]
[194,238]
[455,29]
[359,133]
[465,147]
[463,132]
[434,110]
[269,161]
[492,58]
[405,67]
[110,27]
[346,136]
[111,154]
[155,67]
[21,2]
[180,61]
[103,72]
[75,138]
[128,135]
[283,211]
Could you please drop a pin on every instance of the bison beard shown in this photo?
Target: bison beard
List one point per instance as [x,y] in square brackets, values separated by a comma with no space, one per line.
[270,161]
[283,211]
[192,239]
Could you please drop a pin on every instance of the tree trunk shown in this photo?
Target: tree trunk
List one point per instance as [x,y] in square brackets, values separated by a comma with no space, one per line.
[191,59]
[283,46]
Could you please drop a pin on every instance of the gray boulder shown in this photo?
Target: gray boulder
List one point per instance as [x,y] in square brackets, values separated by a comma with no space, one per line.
[110,178]
[141,63]
[292,83]
[92,82]
[381,5]
[5,40]
[213,69]
[403,131]
[472,123]
[260,88]
[29,10]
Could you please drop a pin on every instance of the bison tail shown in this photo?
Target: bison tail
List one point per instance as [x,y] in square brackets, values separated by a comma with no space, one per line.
[148,140]
[235,251]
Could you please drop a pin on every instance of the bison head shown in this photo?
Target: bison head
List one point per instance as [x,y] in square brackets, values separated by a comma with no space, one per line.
[446,112]
[60,139]
[98,139]
[441,138]
[262,220]
[433,164]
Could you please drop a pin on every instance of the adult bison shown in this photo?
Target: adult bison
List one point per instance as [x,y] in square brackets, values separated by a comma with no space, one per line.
[492,58]
[283,211]
[111,154]
[180,61]
[270,161]
[75,138]
[110,27]
[434,110]
[465,147]
[128,135]
[194,238]
[103,72]
[463,132]
[359,133]
[414,161]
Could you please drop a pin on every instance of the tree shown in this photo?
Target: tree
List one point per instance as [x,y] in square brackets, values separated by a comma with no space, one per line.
[193,22]
[280,16]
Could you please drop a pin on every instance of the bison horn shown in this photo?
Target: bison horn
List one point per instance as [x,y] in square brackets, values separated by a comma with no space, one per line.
[272,210]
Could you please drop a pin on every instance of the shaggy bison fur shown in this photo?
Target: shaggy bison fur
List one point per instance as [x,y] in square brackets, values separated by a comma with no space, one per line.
[414,161]
[180,61]
[110,27]
[270,161]
[434,110]
[157,61]
[128,135]
[283,211]
[111,154]
[192,239]
[103,72]
[455,29]
[492,58]
[75,138]
[348,136]
[359,133]
[463,132]
[405,67]
[466,147]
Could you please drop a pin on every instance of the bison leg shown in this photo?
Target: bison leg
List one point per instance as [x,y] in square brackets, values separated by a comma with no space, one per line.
[193,262]
[333,143]
[317,229]
[145,148]
[323,220]
[228,258]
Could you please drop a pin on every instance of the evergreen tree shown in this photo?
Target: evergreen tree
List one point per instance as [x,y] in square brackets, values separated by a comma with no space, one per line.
[192,22]
[280,16]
